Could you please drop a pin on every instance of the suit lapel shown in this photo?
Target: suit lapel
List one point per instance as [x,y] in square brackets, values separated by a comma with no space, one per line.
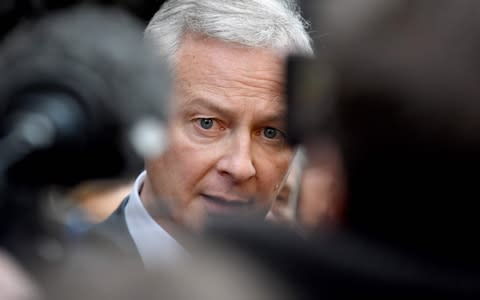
[115,229]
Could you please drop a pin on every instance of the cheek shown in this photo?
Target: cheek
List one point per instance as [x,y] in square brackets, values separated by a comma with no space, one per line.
[271,171]
[187,159]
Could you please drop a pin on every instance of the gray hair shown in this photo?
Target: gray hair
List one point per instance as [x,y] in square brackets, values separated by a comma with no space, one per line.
[271,24]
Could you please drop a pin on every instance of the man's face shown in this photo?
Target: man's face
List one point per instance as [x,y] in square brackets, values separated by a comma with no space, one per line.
[227,150]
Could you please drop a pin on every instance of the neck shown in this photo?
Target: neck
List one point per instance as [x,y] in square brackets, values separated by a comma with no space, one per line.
[155,207]
[159,211]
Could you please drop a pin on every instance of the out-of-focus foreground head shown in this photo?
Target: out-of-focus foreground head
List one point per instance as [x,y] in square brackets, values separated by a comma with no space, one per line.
[408,123]
[75,107]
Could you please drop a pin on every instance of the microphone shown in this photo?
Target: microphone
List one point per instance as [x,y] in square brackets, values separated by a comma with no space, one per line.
[81,98]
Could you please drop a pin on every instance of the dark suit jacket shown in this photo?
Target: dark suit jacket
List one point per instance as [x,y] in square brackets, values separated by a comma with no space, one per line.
[115,229]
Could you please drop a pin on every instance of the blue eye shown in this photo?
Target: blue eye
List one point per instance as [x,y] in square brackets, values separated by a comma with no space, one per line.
[206,123]
[270,133]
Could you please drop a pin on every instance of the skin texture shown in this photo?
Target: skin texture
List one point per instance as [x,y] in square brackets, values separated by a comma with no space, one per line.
[284,208]
[322,193]
[313,195]
[227,151]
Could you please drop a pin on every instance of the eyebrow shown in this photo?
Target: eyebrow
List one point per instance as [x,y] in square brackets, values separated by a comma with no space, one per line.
[205,104]
[277,118]
[217,108]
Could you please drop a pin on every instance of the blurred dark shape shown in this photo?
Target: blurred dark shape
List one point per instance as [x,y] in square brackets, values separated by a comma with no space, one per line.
[397,89]
[97,271]
[340,264]
[82,99]
[92,89]
[408,120]
[13,12]
[308,117]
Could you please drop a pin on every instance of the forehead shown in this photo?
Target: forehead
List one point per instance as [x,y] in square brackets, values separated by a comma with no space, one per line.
[229,68]
[230,76]
[200,49]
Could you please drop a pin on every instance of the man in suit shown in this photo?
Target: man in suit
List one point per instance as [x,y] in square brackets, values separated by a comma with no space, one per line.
[227,152]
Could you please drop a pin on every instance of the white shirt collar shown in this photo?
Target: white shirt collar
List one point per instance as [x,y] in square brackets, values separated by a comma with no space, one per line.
[155,245]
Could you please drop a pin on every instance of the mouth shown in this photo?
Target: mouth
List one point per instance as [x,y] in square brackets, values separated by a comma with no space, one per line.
[220,205]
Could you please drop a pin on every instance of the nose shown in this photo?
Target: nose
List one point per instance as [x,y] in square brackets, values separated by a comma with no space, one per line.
[237,161]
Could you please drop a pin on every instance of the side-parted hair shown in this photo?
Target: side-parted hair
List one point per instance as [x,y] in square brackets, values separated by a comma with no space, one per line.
[270,24]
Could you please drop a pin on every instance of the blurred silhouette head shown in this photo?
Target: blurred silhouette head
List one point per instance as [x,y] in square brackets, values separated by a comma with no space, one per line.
[408,124]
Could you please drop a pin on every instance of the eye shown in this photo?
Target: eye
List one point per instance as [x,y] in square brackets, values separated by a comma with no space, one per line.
[270,133]
[272,136]
[206,123]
